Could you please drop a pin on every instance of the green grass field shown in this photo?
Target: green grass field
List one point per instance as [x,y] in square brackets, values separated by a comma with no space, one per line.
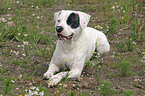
[27,42]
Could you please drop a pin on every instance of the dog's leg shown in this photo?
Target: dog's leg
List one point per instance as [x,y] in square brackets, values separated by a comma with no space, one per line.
[51,70]
[73,74]
[102,48]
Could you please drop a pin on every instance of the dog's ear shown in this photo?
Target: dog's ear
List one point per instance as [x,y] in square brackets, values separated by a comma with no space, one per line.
[56,14]
[84,19]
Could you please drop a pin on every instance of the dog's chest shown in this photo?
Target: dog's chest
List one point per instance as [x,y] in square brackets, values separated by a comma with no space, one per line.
[67,58]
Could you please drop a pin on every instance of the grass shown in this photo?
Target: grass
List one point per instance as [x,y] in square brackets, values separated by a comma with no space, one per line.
[27,42]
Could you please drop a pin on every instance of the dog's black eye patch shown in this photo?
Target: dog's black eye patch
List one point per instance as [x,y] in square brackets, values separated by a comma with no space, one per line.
[73,20]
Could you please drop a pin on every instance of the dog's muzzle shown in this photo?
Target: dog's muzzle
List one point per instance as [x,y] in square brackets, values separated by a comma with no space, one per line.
[59,29]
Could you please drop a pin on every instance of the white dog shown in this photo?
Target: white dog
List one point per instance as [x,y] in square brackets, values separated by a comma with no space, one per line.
[75,46]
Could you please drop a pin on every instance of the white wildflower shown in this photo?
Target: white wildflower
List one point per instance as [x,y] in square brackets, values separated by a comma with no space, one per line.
[65,85]
[19,33]
[12,81]
[17,52]
[3,20]
[32,87]
[121,8]
[20,76]
[11,50]
[38,17]
[25,35]
[37,89]
[33,14]
[35,92]
[14,51]
[26,90]
[41,93]
[24,54]
[9,8]
[134,42]
[117,6]
[9,18]
[60,83]
[74,85]
[37,7]
[18,2]
[26,95]
[32,6]
[113,7]
[25,42]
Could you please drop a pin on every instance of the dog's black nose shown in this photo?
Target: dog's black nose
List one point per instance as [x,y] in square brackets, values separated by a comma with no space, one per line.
[59,29]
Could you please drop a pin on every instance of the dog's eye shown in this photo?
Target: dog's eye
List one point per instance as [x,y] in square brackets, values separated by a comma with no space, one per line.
[58,20]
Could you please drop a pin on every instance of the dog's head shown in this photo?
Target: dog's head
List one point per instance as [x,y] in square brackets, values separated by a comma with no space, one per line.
[70,23]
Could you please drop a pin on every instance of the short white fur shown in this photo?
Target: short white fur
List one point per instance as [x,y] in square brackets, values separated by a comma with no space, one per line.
[76,52]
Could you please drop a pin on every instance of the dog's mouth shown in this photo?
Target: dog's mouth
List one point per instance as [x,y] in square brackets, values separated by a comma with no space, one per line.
[61,37]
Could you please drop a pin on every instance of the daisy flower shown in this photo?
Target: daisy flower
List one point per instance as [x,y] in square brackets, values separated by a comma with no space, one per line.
[25,35]
[134,42]
[19,33]
[20,76]
[25,42]
[113,7]
[24,54]
[17,52]
[121,8]
[32,6]
[18,2]
[32,87]
[12,81]
[37,89]
[11,50]
[38,17]
[26,90]
[65,85]
[35,92]
[41,93]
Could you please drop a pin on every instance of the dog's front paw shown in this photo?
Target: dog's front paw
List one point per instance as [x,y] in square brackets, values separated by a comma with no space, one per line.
[54,80]
[47,75]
